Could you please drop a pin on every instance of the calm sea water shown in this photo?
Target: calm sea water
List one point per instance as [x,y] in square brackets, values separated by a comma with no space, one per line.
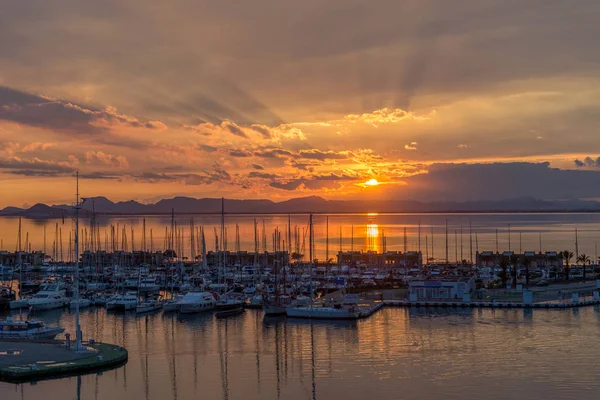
[358,232]
[397,353]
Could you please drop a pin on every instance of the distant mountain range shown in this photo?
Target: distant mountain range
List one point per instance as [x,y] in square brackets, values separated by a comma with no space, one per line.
[312,204]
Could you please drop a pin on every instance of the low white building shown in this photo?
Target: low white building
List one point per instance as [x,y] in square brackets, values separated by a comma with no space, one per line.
[441,288]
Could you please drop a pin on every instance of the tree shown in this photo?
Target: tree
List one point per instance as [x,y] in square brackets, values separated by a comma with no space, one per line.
[566,255]
[503,274]
[584,259]
[514,262]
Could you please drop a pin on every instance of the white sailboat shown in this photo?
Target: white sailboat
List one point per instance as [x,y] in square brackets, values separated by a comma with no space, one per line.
[313,311]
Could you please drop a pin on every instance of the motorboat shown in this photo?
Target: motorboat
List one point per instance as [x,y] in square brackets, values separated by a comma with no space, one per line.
[50,298]
[148,285]
[147,306]
[83,303]
[171,304]
[11,329]
[122,302]
[19,303]
[278,306]
[194,302]
[256,301]
[228,303]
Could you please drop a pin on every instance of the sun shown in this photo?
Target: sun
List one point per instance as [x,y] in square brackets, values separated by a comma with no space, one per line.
[372,182]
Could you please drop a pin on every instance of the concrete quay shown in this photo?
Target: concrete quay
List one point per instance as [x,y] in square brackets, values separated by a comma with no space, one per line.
[26,361]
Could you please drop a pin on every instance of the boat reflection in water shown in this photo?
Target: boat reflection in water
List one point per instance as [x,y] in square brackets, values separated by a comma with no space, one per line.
[418,353]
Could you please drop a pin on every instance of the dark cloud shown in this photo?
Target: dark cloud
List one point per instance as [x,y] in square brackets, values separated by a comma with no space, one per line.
[588,162]
[292,184]
[273,153]
[36,164]
[239,153]
[234,129]
[498,181]
[263,130]
[207,148]
[262,175]
[257,166]
[28,109]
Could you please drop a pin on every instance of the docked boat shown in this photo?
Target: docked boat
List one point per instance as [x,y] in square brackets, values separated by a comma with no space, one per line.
[195,302]
[171,305]
[148,306]
[228,303]
[323,312]
[277,306]
[83,303]
[50,298]
[6,296]
[6,271]
[19,303]
[230,312]
[148,285]
[11,329]
[122,302]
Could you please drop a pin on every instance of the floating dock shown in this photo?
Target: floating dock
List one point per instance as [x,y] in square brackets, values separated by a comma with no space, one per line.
[488,304]
[24,361]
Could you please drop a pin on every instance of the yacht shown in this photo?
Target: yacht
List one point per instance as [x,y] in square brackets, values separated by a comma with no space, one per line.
[194,302]
[10,329]
[49,298]
[122,302]
[148,285]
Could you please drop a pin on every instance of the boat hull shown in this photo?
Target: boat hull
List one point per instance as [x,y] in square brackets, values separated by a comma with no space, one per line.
[230,312]
[190,308]
[46,333]
[321,313]
[46,306]
[273,310]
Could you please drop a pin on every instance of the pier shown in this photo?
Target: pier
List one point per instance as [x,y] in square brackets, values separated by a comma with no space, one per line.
[25,361]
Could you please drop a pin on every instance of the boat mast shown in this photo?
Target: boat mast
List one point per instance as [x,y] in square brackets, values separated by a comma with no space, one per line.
[78,334]
[222,241]
[310,252]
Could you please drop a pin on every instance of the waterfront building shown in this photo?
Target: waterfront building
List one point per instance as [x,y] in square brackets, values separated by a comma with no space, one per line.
[441,288]
[34,258]
[246,258]
[388,259]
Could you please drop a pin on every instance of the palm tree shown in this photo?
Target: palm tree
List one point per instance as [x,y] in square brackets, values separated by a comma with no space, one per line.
[584,259]
[566,256]
[503,275]
[514,261]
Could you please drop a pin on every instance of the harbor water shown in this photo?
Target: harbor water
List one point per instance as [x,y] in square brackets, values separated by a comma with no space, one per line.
[397,353]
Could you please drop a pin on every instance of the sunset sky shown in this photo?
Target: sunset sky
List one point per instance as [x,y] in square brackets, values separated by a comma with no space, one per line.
[432,99]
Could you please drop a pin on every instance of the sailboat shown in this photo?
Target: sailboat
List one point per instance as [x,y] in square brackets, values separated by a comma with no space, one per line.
[313,311]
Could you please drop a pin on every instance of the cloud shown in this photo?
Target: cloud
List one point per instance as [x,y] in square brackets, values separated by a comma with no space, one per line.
[24,108]
[234,129]
[588,162]
[207,148]
[411,146]
[99,157]
[257,166]
[499,181]
[316,154]
[239,153]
